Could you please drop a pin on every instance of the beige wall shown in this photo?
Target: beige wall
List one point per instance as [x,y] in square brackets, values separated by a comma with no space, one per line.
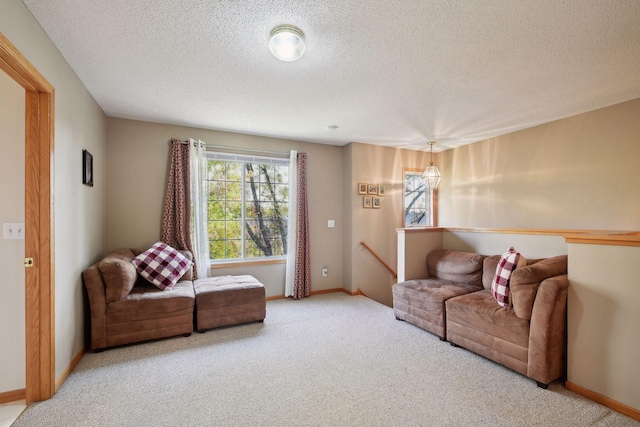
[413,247]
[137,171]
[603,321]
[79,210]
[577,173]
[377,227]
[12,333]
[529,245]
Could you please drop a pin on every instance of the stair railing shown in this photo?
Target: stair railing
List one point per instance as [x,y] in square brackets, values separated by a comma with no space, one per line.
[388,267]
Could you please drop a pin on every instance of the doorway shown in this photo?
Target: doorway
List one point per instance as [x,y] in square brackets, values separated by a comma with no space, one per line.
[39,244]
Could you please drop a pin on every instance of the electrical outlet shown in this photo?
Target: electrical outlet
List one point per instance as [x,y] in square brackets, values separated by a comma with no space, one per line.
[13,230]
[325,272]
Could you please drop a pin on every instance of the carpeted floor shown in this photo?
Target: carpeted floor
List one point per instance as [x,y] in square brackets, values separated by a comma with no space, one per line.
[328,360]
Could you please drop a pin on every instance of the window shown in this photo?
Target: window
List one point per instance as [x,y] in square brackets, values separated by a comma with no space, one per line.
[418,201]
[247,206]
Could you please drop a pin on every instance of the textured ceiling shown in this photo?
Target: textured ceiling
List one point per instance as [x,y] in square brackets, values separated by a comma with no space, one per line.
[396,73]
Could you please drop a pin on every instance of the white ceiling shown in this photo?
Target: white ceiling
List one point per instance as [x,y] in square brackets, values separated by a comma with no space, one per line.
[388,72]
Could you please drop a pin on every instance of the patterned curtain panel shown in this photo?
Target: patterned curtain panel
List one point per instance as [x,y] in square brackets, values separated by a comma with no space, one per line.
[302,279]
[176,221]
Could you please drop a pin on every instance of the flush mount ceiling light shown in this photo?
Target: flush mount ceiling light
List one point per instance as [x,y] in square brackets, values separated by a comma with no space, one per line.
[286,42]
[431,175]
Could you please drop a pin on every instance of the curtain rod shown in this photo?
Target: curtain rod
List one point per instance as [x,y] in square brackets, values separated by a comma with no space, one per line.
[242,150]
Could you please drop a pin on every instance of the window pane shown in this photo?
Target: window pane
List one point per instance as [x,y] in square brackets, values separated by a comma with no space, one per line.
[216,190]
[266,173]
[251,211]
[278,247]
[267,209]
[216,249]
[234,230]
[233,172]
[416,200]
[216,210]
[257,240]
[234,249]
[251,249]
[234,191]
[234,211]
[282,192]
[216,230]
[253,173]
[266,192]
[282,174]
[216,170]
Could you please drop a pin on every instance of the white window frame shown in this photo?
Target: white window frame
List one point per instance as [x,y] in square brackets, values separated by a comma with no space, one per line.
[241,158]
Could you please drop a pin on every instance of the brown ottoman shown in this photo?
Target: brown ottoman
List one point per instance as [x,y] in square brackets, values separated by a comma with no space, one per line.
[228,300]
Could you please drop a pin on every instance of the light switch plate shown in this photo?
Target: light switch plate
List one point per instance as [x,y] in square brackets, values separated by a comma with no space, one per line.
[331,223]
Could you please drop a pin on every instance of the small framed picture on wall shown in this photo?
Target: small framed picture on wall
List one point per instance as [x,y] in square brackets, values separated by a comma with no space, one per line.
[366,202]
[87,168]
[362,188]
[373,189]
[381,190]
[376,203]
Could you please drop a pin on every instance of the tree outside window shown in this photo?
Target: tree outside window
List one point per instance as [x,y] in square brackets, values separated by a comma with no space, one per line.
[417,202]
[247,208]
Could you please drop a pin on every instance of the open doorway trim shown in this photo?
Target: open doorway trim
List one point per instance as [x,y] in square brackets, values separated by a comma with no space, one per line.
[39,243]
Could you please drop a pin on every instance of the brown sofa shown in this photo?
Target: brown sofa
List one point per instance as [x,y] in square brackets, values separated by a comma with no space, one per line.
[125,308]
[456,304]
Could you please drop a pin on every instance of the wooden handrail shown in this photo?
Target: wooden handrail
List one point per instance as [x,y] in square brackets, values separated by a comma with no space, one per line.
[395,275]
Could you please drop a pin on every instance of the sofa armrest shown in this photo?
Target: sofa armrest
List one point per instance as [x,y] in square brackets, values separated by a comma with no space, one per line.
[97,306]
[548,331]
[525,282]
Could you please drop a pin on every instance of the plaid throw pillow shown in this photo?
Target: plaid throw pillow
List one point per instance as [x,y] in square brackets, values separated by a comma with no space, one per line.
[162,265]
[509,261]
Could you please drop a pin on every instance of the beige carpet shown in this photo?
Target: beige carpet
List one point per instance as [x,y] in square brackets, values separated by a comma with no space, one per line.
[329,360]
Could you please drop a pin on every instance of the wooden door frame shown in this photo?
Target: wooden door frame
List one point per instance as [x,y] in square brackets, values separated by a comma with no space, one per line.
[39,225]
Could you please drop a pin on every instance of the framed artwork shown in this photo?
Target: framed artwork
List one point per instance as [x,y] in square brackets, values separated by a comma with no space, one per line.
[381,190]
[362,188]
[372,189]
[376,203]
[366,202]
[87,168]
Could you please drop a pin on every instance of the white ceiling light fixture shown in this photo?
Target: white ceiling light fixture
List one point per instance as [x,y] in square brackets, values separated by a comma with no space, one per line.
[431,175]
[286,42]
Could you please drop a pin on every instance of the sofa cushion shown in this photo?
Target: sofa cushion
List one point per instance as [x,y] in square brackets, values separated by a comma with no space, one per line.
[478,311]
[509,261]
[421,301]
[147,302]
[162,265]
[525,282]
[455,266]
[118,274]
[477,323]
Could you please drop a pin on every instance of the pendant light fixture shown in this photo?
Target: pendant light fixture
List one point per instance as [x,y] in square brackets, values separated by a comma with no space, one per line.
[431,175]
[286,43]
